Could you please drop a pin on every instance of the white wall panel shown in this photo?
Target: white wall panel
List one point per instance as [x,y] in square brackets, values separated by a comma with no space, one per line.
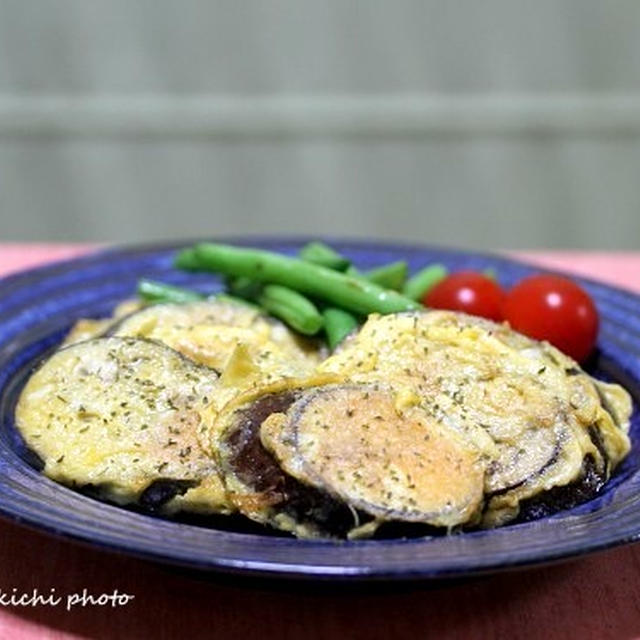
[490,124]
[579,193]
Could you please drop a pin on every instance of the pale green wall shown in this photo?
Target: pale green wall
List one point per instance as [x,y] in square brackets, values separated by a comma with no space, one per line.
[488,124]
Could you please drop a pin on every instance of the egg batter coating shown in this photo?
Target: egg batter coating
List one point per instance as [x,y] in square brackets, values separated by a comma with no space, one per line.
[119,417]
[428,418]
[209,331]
[536,419]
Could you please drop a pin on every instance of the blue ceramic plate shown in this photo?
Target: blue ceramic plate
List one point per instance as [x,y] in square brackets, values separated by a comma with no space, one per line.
[36,309]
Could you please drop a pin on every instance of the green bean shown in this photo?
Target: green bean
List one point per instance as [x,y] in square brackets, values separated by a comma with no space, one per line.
[352,294]
[291,307]
[225,297]
[389,276]
[424,280]
[338,324]
[186,260]
[158,292]
[324,255]
[286,304]
[244,287]
[152,291]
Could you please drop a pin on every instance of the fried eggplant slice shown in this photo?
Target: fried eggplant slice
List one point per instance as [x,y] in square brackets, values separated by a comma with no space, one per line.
[402,466]
[248,348]
[258,486]
[209,331]
[368,463]
[118,417]
[530,411]
[88,328]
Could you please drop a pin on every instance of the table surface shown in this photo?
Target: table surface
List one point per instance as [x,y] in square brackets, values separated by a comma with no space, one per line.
[597,596]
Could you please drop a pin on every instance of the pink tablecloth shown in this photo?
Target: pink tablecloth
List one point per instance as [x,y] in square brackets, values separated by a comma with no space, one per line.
[593,597]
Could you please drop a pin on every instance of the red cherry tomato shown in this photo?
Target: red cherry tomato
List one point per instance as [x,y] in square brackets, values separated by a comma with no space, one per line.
[467,291]
[555,309]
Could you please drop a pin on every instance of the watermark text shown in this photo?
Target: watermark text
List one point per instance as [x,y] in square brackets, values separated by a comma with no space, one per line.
[51,598]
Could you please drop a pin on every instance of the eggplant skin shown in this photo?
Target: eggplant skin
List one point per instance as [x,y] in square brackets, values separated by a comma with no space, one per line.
[162,491]
[594,473]
[560,498]
[262,490]
[250,462]
[89,328]
[119,417]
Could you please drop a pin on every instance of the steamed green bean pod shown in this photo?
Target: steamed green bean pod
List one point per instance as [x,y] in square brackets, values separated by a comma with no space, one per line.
[338,324]
[324,255]
[390,276]
[353,294]
[153,291]
[291,307]
[424,280]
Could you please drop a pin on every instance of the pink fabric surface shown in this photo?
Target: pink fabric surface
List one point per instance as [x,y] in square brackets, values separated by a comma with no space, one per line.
[593,597]
[16,257]
[621,268]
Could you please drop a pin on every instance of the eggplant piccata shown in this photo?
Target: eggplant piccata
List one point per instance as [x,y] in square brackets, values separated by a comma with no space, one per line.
[118,417]
[425,418]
